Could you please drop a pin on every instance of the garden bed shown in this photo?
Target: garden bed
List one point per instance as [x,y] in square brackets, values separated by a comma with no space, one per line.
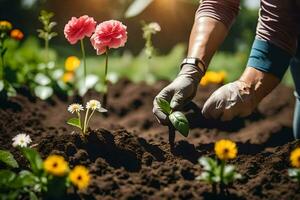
[128,154]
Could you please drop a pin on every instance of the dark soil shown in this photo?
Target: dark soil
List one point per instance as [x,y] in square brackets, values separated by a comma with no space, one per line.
[128,153]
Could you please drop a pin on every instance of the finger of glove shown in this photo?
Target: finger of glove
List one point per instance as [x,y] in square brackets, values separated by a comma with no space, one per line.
[177,100]
[214,106]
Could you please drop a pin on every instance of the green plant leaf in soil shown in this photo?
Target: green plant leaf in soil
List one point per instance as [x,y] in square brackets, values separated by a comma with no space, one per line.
[34,159]
[180,122]
[74,122]
[178,119]
[7,158]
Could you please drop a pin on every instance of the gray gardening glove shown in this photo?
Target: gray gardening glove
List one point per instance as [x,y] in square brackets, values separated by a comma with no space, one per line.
[179,92]
[236,99]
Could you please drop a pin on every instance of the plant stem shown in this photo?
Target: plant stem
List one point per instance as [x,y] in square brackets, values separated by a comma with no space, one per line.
[83,57]
[85,121]
[89,118]
[47,52]
[171,137]
[2,67]
[105,79]
[79,117]
[222,176]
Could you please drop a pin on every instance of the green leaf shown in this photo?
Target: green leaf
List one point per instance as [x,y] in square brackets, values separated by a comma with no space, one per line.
[164,105]
[207,163]
[180,122]
[32,196]
[6,177]
[34,159]
[74,122]
[7,158]
[25,178]
[1,85]
[42,79]
[137,7]
[43,92]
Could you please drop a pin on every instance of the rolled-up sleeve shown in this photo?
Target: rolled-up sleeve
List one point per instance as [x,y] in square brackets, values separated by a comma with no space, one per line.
[221,10]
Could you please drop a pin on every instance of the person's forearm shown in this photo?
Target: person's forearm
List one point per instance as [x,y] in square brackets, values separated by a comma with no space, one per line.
[206,36]
[213,19]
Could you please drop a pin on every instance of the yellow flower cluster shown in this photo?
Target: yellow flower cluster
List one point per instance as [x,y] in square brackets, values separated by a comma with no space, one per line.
[5,25]
[213,77]
[226,149]
[56,165]
[71,64]
[295,158]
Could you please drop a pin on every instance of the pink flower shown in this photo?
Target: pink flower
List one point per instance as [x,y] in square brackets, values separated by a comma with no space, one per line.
[77,28]
[109,34]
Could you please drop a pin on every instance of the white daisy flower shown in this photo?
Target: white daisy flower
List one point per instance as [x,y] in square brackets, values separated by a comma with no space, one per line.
[95,105]
[75,107]
[21,140]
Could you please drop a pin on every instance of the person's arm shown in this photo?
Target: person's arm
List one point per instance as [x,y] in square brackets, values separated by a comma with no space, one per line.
[272,49]
[212,22]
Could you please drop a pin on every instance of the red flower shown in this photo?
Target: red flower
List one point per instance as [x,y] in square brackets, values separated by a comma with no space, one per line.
[78,28]
[109,34]
[16,34]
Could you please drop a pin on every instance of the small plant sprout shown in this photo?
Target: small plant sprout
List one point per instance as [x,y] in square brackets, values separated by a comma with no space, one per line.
[21,140]
[148,31]
[217,172]
[294,173]
[178,120]
[46,33]
[91,107]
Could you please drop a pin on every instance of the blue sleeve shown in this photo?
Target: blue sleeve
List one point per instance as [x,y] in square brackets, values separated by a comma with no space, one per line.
[269,58]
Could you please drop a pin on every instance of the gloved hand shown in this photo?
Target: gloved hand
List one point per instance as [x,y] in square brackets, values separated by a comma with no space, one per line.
[179,92]
[236,99]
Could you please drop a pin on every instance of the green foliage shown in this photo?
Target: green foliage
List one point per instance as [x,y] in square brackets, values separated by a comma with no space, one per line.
[75,122]
[178,119]
[180,122]
[213,172]
[34,159]
[294,173]
[7,158]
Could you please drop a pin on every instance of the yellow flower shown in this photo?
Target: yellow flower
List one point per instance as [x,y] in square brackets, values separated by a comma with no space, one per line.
[5,26]
[225,149]
[213,77]
[72,63]
[56,165]
[80,177]
[67,77]
[16,34]
[295,158]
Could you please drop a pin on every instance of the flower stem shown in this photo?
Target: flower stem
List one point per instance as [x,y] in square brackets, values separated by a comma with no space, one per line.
[89,118]
[105,79]
[46,52]
[83,57]
[85,121]
[2,66]
[222,176]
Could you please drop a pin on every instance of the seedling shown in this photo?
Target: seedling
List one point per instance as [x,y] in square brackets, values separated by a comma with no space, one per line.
[46,32]
[178,119]
[294,173]
[91,107]
[216,171]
